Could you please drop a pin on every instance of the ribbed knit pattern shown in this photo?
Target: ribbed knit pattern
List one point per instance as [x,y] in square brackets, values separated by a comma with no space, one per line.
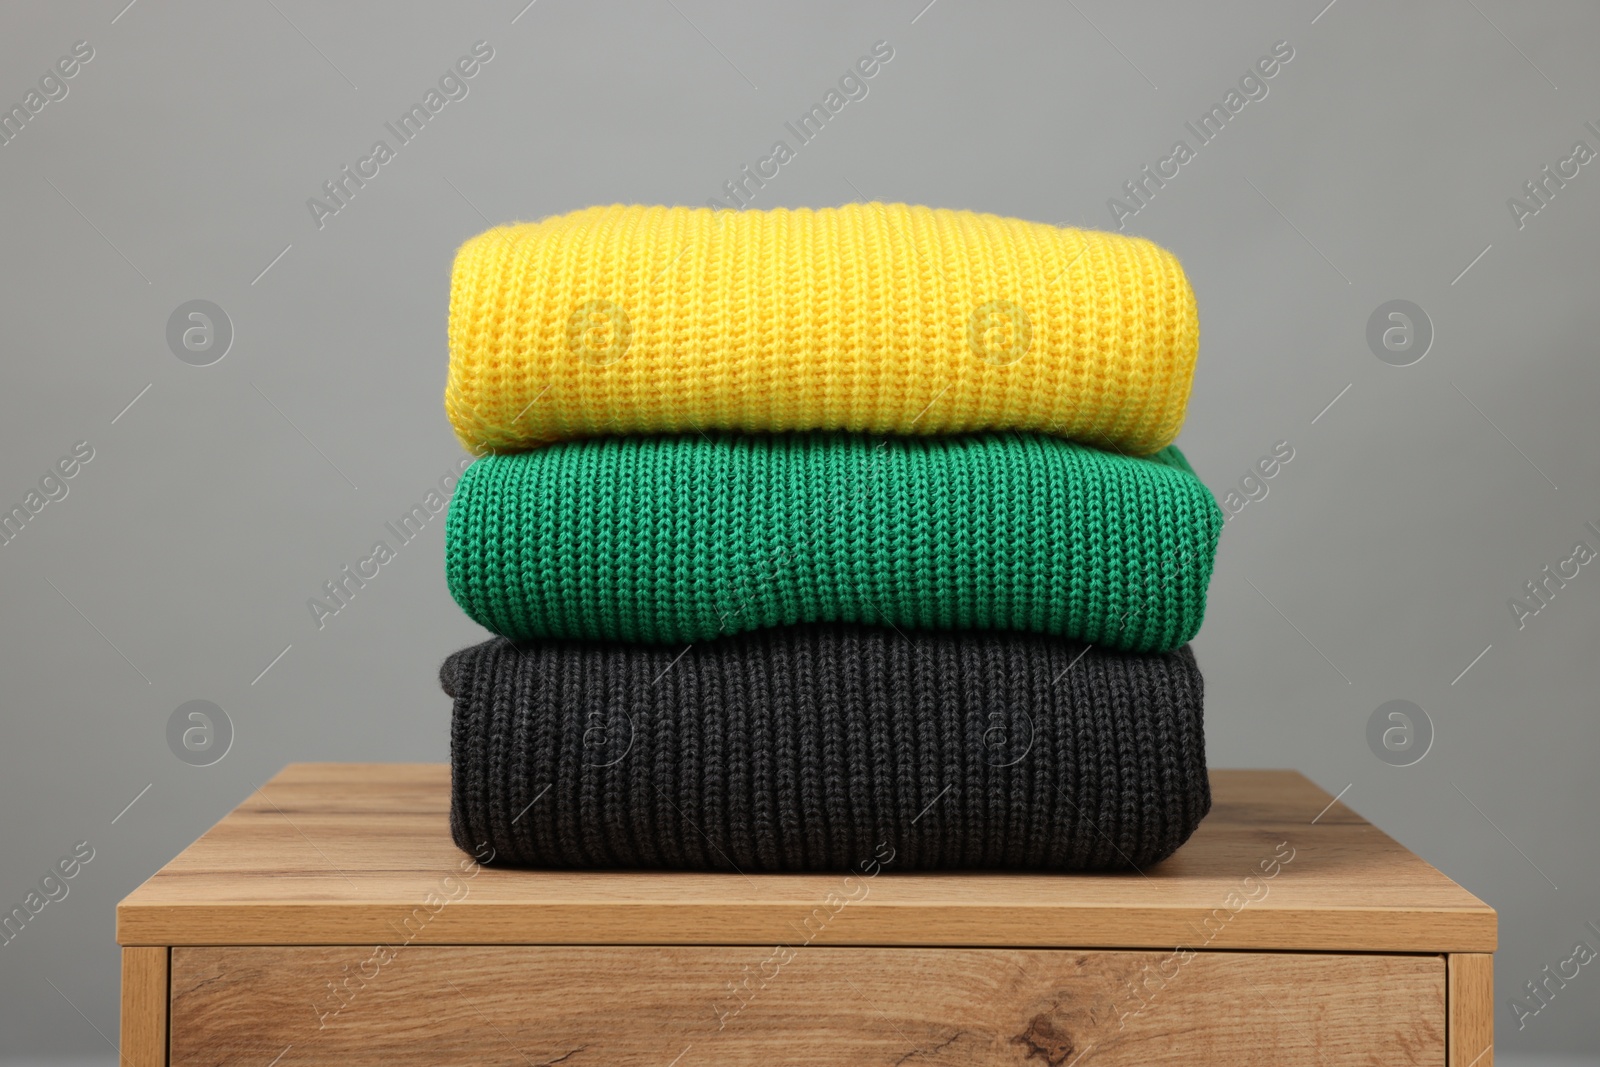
[675,539]
[807,748]
[873,317]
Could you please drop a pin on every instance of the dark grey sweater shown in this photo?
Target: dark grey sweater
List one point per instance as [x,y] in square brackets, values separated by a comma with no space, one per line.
[818,747]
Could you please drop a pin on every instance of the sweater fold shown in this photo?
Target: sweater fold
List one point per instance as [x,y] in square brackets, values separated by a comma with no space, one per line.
[814,748]
[883,318]
[676,539]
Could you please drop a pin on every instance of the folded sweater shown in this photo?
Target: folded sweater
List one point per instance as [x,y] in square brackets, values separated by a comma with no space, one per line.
[818,748]
[876,317]
[675,539]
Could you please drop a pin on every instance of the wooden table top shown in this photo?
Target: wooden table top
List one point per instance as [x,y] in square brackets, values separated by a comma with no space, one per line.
[329,853]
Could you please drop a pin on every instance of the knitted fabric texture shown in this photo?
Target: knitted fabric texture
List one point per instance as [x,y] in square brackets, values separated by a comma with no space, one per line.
[675,539]
[816,748]
[875,317]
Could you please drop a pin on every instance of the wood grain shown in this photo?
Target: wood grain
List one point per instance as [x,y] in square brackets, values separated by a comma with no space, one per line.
[342,853]
[1471,1007]
[824,1006]
[144,1007]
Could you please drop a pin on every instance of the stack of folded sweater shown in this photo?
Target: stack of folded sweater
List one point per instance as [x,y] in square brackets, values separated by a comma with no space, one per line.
[811,534]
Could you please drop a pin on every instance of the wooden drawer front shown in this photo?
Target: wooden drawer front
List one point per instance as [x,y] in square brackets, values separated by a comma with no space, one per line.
[683,1006]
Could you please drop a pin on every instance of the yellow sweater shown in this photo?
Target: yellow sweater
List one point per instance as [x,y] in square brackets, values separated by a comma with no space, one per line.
[876,317]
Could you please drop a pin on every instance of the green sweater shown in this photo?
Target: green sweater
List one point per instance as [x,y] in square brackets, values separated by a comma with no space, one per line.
[682,538]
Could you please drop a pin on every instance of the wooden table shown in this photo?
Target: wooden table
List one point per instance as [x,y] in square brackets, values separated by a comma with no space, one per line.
[329,919]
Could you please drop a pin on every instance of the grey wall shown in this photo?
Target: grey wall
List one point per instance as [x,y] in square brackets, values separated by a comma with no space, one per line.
[1378,166]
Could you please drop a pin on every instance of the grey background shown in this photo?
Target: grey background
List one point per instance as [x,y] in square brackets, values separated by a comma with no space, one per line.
[1378,567]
